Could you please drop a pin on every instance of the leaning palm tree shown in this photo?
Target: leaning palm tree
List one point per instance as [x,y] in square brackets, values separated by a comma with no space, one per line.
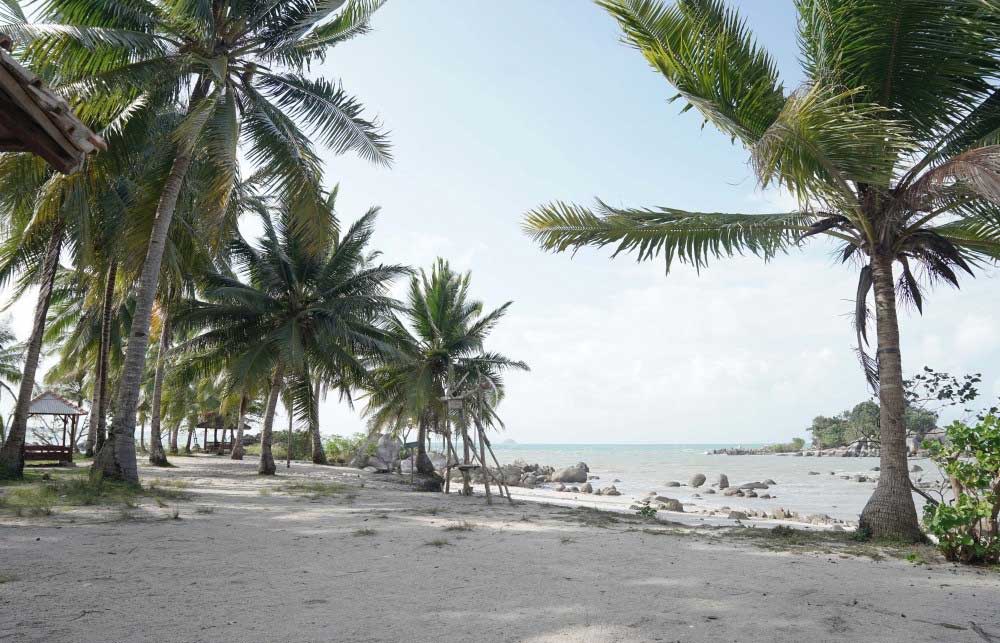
[298,311]
[438,340]
[889,147]
[236,69]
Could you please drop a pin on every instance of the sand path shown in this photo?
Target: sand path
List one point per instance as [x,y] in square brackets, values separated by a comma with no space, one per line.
[242,566]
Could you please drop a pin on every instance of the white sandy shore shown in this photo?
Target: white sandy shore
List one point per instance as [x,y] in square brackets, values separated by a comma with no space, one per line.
[288,568]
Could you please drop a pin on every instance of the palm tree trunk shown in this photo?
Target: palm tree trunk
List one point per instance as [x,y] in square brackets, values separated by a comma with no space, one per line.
[172,449]
[318,454]
[424,464]
[157,457]
[107,305]
[187,447]
[890,512]
[266,467]
[117,459]
[12,453]
[237,453]
[142,435]
[288,442]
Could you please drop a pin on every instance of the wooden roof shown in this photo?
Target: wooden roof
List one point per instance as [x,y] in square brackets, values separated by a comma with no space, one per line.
[35,119]
[50,403]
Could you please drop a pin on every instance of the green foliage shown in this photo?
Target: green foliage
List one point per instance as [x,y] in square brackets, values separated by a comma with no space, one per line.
[340,449]
[646,510]
[863,421]
[967,528]
[795,445]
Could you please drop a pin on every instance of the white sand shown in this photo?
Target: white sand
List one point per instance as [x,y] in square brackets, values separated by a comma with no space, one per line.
[286,568]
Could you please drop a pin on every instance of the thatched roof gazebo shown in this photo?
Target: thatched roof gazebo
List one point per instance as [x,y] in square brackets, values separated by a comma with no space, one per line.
[52,404]
[35,119]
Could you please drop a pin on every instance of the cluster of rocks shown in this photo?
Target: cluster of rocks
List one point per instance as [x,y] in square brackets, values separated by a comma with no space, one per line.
[589,488]
[862,448]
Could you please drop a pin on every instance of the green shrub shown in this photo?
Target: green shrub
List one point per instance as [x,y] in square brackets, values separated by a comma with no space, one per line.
[967,527]
[340,449]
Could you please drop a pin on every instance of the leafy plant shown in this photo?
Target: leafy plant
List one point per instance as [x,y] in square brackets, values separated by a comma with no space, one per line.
[646,510]
[967,527]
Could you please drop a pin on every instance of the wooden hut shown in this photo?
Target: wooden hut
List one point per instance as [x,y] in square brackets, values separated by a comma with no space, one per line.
[214,422]
[35,119]
[53,404]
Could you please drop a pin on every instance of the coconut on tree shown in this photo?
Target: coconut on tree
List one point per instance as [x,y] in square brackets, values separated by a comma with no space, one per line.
[889,147]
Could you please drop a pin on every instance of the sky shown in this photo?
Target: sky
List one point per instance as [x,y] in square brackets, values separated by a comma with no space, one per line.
[497,107]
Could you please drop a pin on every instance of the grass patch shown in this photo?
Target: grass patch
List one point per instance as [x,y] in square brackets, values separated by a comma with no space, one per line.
[460,526]
[40,495]
[7,578]
[313,490]
[366,531]
[783,538]
[437,542]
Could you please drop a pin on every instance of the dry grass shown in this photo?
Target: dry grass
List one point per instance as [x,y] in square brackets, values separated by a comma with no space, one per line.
[437,542]
[460,526]
[365,531]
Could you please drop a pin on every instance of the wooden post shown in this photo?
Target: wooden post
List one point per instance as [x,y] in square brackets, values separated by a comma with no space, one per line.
[62,443]
[204,442]
[288,456]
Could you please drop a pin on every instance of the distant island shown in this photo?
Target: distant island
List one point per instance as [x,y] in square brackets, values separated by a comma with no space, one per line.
[509,441]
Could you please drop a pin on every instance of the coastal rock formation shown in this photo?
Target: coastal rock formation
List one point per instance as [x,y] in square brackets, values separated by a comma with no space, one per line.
[737,515]
[587,488]
[753,485]
[609,491]
[709,490]
[670,504]
[386,454]
[770,482]
[916,468]
[576,473]
[697,480]
[731,491]
[723,481]
[673,483]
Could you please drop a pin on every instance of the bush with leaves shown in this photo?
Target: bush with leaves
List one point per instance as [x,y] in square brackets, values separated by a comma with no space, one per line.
[340,450]
[967,527]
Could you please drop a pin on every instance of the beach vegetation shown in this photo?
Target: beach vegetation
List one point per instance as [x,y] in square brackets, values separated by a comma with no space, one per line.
[886,148]
[966,525]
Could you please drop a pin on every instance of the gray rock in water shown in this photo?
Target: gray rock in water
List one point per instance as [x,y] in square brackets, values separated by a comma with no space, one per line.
[751,494]
[737,515]
[670,504]
[587,488]
[611,491]
[574,489]
[753,485]
[722,482]
[765,496]
[576,473]
[860,478]
[561,487]
[814,473]
[876,468]
[916,468]
[673,483]
[697,480]
[770,482]
[370,469]
[709,490]
[730,491]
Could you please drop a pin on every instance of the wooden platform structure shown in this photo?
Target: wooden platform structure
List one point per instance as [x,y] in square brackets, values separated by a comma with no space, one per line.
[213,422]
[52,404]
[35,119]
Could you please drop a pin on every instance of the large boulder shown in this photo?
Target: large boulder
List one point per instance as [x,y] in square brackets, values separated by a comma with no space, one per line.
[697,480]
[386,453]
[753,485]
[576,473]
[670,504]
[723,481]
[610,491]
[587,488]
[673,483]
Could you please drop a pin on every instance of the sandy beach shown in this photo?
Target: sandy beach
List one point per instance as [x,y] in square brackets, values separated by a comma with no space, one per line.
[293,558]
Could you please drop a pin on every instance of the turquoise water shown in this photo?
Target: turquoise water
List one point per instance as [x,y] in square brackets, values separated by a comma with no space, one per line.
[641,468]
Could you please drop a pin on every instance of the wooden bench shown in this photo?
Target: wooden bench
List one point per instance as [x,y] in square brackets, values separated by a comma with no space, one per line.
[35,452]
[217,447]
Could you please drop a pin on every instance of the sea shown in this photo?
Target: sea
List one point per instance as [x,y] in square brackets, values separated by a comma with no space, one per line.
[807,485]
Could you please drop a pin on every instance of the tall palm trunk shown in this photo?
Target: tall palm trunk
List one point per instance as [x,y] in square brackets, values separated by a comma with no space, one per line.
[424,464]
[157,457]
[12,453]
[267,467]
[318,454]
[117,459]
[142,435]
[890,512]
[187,446]
[237,453]
[99,405]
[172,449]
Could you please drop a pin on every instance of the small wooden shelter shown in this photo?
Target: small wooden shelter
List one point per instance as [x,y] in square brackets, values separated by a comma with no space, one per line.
[213,422]
[35,119]
[53,404]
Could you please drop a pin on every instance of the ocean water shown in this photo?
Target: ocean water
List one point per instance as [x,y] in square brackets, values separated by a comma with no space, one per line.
[642,468]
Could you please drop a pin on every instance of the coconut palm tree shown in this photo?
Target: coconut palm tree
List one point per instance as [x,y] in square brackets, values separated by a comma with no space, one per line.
[438,339]
[889,147]
[10,367]
[298,311]
[236,68]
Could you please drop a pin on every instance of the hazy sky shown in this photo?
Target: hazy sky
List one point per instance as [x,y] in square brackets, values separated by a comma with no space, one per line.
[495,107]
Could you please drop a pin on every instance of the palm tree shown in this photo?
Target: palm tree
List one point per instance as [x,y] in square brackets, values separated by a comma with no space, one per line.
[889,148]
[298,311]
[220,60]
[439,339]
[10,367]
